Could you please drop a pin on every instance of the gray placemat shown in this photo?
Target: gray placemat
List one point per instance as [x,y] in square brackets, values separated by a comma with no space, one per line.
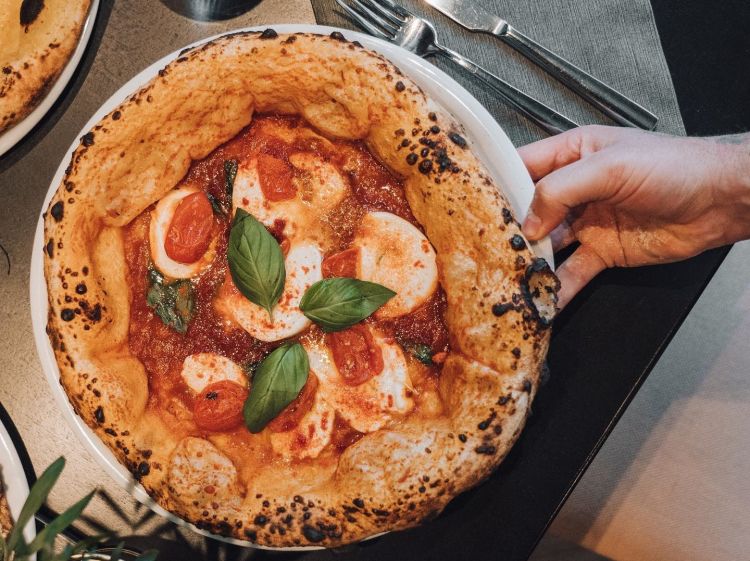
[615,41]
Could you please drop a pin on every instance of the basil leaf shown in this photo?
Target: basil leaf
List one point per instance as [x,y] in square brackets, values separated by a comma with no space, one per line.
[230,172]
[276,383]
[47,536]
[216,205]
[423,353]
[339,302]
[174,303]
[255,261]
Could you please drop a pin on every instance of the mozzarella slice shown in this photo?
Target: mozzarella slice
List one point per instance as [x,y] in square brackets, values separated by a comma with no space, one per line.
[313,433]
[302,270]
[372,405]
[395,254]
[161,219]
[247,194]
[319,185]
[199,472]
[203,369]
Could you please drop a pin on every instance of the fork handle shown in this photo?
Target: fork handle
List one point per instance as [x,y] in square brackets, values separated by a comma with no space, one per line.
[546,117]
[609,101]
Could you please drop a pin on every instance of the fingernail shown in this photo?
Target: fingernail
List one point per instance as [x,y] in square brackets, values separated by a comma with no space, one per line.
[531,225]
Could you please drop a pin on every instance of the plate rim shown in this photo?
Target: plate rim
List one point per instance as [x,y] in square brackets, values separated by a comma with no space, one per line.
[418,69]
[17,493]
[18,132]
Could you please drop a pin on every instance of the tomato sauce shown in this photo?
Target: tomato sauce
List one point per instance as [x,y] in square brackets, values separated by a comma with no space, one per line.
[162,350]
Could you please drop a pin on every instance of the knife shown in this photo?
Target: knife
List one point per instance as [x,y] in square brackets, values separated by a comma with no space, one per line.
[609,101]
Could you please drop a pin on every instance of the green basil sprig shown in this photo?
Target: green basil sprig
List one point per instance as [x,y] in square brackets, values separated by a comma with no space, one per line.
[230,172]
[276,383]
[255,261]
[340,302]
[174,302]
[423,353]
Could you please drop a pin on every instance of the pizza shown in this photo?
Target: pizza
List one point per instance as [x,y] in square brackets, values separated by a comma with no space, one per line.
[288,296]
[39,37]
[6,518]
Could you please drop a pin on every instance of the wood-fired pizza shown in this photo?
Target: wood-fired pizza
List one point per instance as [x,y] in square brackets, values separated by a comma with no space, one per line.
[38,39]
[287,295]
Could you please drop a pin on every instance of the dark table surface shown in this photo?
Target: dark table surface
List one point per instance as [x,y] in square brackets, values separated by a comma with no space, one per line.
[606,342]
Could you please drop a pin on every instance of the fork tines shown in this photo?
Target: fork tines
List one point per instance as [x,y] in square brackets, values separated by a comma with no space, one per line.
[382,19]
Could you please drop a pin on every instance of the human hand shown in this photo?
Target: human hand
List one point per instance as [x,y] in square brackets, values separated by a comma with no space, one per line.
[634,198]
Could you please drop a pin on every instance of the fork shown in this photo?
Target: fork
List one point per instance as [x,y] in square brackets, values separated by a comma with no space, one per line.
[386,20]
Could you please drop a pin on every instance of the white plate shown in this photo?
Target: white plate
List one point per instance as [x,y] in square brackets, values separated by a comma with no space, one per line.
[486,137]
[12,136]
[14,479]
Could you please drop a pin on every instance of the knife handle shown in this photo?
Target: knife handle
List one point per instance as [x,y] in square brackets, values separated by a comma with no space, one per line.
[609,101]
[546,117]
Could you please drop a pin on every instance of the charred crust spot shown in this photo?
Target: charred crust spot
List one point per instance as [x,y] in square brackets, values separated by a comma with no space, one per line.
[116,116]
[99,415]
[432,116]
[57,211]
[30,10]
[338,36]
[411,159]
[7,69]
[50,248]
[526,386]
[93,313]
[425,166]
[269,34]
[424,152]
[81,288]
[400,86]
[67,314]
[517,242]
[312,534]
[291,39]
[146,453]
[380,512]
[298,499]
[516,352]
[251,535]
[457,139]
[462,437]
[357,44]
[405,142]
[359,503]
[507,215]
[143,469]
[110,432]
[434,129]
[88,139]
[539,266]
[260,520]
[487,449]
[501,308]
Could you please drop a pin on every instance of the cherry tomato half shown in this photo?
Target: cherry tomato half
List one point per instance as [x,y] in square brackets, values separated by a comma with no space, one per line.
[355,353]
[275,177]
[189,233]
[342,264]
[219,406]
[292,414]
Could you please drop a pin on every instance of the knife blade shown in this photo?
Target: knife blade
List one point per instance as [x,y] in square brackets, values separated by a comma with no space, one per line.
[609,101]
[472,16]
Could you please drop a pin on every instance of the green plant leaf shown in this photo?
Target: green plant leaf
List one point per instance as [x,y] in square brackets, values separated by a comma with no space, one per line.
[256,261]
[174,303]
[276,383]
[47,536]
[423,353]
[339,302]
[4,552]
[230,173]
[216,205]
[37,496]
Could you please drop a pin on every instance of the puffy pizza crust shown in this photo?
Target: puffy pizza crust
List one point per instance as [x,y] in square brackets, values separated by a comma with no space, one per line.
[33,55]
[395,477]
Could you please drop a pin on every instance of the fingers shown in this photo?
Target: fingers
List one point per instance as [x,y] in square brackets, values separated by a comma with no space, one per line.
[562,236]
[594,178]
[576,272]
[552,153]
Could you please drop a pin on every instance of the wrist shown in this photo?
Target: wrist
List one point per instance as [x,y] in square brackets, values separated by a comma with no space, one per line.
[732,187]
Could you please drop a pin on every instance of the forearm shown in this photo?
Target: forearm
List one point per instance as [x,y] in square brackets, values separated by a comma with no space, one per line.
[733,193]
